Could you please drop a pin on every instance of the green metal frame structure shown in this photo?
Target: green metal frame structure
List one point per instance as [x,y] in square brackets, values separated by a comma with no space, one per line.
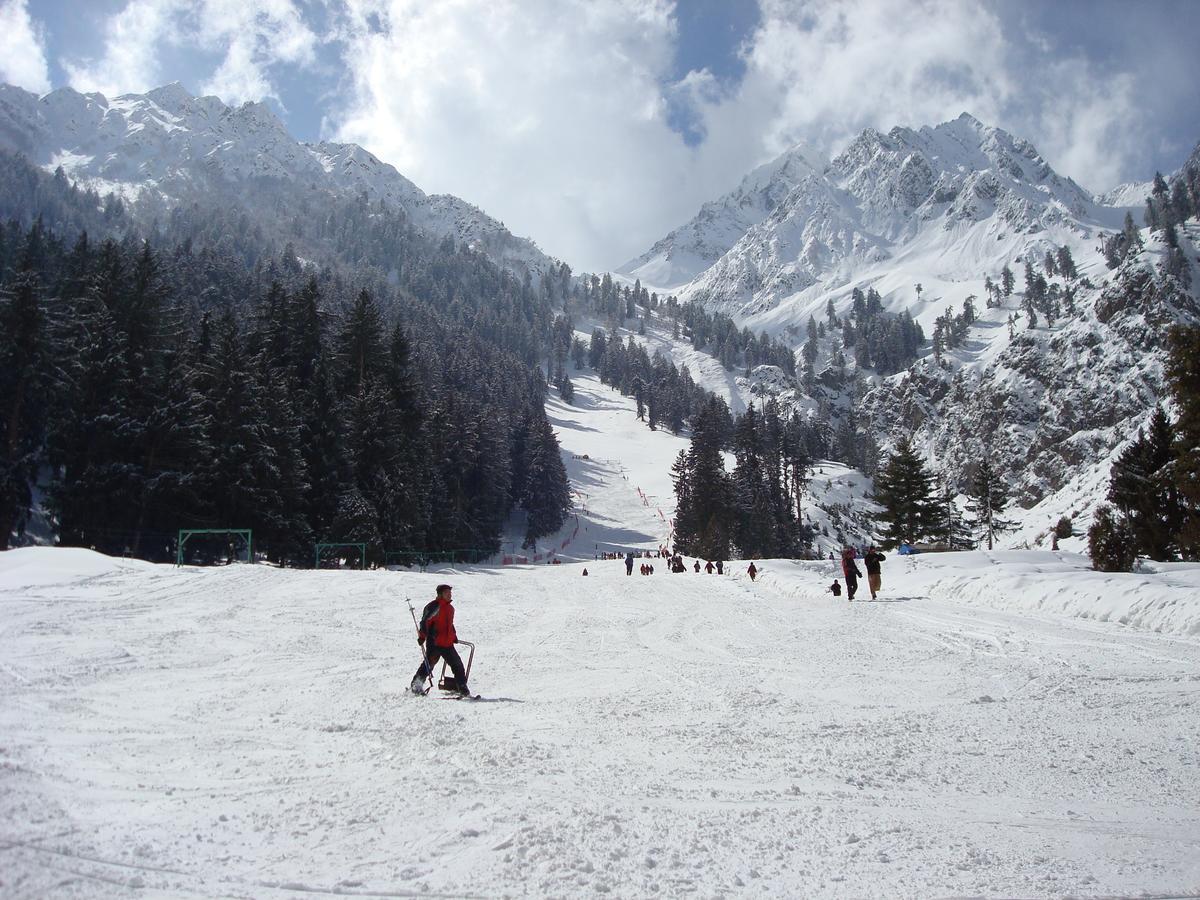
[186,533]
[362,551]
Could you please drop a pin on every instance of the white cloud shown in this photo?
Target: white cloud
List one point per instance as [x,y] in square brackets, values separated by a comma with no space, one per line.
[250,35]
[22,50]
[133,39]
[549,115]
[256,36]
[839,66]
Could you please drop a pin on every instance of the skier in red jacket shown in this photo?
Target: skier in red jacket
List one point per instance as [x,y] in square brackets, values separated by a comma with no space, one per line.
[436,635]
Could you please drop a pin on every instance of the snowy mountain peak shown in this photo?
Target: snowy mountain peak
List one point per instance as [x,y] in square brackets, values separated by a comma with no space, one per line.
[174,148]
[690,249]
[952,200]
[172,97]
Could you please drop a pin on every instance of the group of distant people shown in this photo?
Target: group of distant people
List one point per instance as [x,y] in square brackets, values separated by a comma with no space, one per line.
[675,563]
[871,558]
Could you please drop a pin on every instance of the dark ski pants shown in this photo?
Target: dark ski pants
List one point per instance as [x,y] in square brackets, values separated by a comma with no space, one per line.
[453,660]
[851,586]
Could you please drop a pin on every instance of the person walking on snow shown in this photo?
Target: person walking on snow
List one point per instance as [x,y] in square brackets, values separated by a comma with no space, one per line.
[850,570]
[436,636]
[752,571]
[872,561]
[708,567]
[629,563]
[836,588]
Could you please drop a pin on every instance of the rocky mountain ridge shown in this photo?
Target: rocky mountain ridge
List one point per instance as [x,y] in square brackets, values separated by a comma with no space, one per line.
[937,204]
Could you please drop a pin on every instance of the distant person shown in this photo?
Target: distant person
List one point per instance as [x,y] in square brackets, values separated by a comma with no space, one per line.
[836,588]
[872,561]
[585,573]
[752,571]
[708,567]
[720,567]
[436,637]
[650,569]
[851,572]
[697,567]
[629,563]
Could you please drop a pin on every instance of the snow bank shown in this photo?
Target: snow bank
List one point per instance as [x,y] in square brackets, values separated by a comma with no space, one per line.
[1165,598]
[39,566]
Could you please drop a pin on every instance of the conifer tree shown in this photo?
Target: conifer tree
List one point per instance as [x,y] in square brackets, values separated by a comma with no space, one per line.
[1142,489]
[547,492]
[903,487]
[1183,375]
[703,517]
[986,501]
[951,530]
[1109,544]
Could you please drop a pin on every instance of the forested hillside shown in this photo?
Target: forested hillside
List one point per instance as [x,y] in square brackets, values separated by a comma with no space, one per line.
[196,375]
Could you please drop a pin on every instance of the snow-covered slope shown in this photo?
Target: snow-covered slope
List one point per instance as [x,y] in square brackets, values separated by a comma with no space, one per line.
[690,249]
[170,145]
[1052,405]
[245,732]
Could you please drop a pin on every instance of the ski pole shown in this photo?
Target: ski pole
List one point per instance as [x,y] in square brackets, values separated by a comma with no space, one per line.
[424,654]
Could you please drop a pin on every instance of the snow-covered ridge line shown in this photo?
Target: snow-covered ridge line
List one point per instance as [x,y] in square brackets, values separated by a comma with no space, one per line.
[938,204]
[172,145]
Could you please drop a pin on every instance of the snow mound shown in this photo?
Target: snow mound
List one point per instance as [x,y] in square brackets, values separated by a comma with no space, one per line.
[38,566]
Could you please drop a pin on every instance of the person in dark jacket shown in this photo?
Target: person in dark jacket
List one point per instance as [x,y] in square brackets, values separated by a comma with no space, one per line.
[836,588]
[752,571]
[629,563]
[851,572]
[436,636]
[872,561]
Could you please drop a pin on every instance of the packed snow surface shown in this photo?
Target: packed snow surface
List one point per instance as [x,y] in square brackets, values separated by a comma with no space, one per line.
[246,732]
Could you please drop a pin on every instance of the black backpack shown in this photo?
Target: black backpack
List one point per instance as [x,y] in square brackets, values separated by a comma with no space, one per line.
[427,614]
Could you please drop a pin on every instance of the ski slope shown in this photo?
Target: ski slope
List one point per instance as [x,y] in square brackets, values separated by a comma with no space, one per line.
[245,732]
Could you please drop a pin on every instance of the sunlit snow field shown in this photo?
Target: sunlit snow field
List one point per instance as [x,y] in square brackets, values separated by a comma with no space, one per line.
[246,732]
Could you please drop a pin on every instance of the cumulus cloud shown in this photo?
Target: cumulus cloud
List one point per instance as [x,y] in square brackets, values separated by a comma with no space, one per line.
[22,50]
[133,39]
[550,115]
[257,35]
[250,37]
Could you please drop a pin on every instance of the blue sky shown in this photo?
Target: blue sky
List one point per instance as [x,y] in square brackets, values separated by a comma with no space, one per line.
[595,126]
